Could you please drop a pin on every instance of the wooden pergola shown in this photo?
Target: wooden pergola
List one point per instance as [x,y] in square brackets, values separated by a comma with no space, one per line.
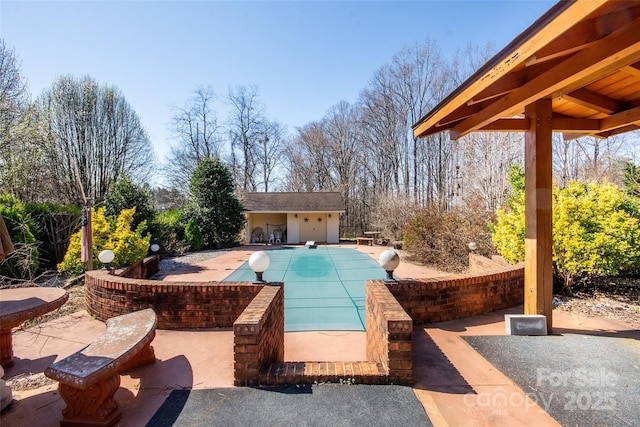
[576,70]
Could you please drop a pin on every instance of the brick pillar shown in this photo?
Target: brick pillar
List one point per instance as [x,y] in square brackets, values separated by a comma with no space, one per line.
[389,333]
[259,335]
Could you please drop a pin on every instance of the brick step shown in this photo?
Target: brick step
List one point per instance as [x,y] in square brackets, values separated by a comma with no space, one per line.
[297,373]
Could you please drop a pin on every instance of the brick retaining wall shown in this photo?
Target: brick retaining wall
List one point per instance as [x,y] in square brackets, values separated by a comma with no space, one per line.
[178,305]
[456,297]
[479,264]
[141,269]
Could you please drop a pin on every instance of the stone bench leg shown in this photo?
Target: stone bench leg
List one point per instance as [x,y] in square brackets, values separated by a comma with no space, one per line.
[144,357]
[6,348]
[94,406]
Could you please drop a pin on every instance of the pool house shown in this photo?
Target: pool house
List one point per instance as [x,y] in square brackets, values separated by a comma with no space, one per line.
[293,217]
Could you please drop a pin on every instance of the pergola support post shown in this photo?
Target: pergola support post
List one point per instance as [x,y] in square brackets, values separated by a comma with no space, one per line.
[538,271]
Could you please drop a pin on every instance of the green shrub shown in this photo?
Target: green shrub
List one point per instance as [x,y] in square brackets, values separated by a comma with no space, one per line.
[508,233]
[24,261]
[170,236]
[128,245]
[596,231]
[170,218]
[193,235]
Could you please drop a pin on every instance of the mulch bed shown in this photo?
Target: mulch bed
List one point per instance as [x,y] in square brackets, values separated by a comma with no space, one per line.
[615,298]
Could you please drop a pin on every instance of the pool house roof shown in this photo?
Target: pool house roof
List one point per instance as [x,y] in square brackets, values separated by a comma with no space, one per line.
[293,202]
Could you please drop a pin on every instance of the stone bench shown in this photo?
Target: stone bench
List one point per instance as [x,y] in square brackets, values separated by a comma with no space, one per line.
[360,240]
[89,378]
[20,304]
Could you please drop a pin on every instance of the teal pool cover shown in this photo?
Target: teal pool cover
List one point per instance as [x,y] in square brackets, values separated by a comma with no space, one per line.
[323,286]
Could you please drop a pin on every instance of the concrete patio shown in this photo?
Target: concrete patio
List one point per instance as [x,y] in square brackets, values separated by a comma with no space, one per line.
[452,381]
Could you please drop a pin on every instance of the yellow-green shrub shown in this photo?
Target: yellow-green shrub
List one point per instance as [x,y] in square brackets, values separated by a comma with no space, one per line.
[596,231]
[508,229]
[508,233]
[128,245]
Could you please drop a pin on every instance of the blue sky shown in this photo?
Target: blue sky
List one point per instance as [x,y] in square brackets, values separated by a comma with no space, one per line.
[303,56]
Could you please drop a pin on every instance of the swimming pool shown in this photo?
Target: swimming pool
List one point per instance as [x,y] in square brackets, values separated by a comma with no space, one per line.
[323,286]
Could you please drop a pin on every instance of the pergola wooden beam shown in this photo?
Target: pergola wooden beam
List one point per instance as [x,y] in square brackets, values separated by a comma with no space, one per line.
[511,82]
[461,114]
[619,120]
[555,23]
[559,124]
[584,33]
[620,130]
[600,58]
[632,70]
[595,101]
[569,124]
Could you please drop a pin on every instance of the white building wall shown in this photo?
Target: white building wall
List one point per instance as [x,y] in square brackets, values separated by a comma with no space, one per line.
[333,227]
[293,228]
[248,227]
[293,225]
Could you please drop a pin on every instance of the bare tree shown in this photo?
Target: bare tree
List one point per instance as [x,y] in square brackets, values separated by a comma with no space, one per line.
[21,149]
[341,130]
[566,159]
[92,130]
[590,158]
[601,158]
[416,69]
[381,133]
[269,152]
[399,93]
[246,125]
[485,162]
[391,213]
[196,129]
[13,92]
[469,59]
[308,163]
[24,167]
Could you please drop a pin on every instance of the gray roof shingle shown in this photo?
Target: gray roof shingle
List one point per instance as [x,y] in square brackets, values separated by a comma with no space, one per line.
[293,202]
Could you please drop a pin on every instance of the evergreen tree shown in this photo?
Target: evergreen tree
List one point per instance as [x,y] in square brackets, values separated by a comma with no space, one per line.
[213,205]
[125,195]
[631,179]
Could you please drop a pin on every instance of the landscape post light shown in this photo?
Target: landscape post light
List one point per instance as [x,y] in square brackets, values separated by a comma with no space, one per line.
[259,262]
[106,257]
[389,260]
[154,248]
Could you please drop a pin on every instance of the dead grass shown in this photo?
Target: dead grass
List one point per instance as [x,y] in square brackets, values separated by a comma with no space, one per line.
[29,381]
